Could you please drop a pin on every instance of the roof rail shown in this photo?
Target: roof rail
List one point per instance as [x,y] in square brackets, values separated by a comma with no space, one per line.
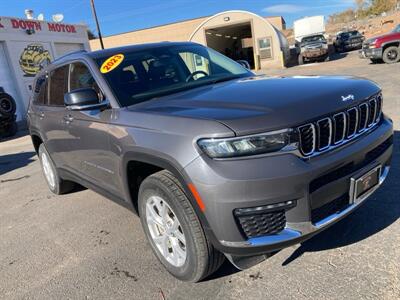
[68,54]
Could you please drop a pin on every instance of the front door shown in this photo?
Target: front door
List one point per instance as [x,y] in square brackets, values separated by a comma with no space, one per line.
[89,152]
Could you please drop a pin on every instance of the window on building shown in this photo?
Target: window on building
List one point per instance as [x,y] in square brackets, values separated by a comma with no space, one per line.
[195,62]
[58,80]
[265,47]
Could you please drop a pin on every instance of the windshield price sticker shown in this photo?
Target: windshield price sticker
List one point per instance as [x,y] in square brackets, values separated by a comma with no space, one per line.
[111,63]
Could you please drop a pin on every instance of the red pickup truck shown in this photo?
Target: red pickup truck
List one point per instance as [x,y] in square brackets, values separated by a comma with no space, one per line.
[384,47]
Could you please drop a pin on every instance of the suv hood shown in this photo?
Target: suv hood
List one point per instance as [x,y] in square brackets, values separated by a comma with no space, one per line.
[382,36]
[261,103]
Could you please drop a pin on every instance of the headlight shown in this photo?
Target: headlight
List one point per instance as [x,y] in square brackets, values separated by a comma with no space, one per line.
[247,145]
[372,43]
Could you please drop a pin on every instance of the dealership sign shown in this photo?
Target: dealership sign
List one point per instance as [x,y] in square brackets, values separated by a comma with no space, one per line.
[37,26]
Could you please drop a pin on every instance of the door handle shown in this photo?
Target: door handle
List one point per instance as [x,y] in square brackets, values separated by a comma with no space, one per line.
[41,115]
[68,119]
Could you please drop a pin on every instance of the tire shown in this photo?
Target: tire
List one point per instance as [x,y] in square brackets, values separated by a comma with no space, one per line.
[391,55]
[301,60]
[198,257]
[7,105]
[56,184]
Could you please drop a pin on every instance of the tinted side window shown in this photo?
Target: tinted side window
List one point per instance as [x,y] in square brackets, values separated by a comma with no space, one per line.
[80,77]
[40,92]
[58,80]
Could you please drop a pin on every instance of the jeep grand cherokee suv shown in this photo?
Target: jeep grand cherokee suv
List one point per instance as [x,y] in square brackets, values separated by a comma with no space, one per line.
[216,161]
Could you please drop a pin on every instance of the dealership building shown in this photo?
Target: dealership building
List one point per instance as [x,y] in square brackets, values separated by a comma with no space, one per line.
[26,46]
[237,34]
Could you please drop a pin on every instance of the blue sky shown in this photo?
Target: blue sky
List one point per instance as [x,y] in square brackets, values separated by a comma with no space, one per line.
[124,15]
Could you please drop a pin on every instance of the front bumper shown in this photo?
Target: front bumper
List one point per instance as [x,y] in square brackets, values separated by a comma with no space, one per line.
[368,53]
[315,53]
[226,185]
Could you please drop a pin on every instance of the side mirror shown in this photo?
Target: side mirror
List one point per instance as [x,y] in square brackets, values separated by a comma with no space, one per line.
[83,99]
[244,63]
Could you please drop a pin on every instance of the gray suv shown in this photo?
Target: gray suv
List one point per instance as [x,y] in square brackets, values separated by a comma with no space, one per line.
[217,162]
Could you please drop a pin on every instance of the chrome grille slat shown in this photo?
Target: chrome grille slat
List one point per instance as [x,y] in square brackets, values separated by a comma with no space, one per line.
[332,131]
[372,112]
[340,127]
[324,132]
[307,138]
[352,117]
[363,121]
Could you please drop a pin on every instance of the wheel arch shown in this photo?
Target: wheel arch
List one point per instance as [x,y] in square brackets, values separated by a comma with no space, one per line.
[391,43]
[160,162]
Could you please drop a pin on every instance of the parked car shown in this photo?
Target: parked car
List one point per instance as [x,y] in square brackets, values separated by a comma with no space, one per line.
[217,162]
[383,48]
[313,48]
[348,40]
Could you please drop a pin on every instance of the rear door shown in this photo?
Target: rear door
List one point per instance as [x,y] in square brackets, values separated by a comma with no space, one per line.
[89,153]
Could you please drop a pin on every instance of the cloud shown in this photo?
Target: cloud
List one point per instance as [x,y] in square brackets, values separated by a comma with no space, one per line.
[284,8]
[293,8]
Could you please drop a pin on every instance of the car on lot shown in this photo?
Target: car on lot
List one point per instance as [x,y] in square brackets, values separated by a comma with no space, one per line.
[348,40]
[313,48]
[216,161]
[383,48]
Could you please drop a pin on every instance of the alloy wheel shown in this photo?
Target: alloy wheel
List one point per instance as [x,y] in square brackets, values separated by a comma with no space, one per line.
[166,231]
[48,171]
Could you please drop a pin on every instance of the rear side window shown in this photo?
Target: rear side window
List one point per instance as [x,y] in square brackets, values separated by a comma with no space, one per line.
[40,91]
[58,84]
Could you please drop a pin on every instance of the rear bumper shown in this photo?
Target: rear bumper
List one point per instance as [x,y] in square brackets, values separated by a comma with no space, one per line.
[242,183]
[375,53]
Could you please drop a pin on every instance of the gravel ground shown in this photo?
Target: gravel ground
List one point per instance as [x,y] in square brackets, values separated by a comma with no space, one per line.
[83,246]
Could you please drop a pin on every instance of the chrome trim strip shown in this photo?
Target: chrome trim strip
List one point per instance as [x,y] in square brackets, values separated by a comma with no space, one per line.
[285,235]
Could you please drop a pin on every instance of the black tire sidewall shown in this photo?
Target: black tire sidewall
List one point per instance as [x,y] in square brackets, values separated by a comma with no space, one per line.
[8,97]
[151,187]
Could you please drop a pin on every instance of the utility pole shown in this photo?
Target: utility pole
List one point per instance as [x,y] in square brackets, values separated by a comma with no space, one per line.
[97,23]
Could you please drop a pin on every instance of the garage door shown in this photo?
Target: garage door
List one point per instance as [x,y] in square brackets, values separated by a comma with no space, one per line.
[64,48]
[6,79]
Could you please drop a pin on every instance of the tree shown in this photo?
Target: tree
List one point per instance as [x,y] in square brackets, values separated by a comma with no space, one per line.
[91,34]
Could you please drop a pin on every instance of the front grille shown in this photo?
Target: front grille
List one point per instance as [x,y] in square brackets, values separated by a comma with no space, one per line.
[335,130]
[351,167]
[335,206]
[256,225]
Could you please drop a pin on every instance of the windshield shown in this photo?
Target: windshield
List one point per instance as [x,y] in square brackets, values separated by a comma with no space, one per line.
[150,73]
[347,35]
[315,38]
[397,29]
